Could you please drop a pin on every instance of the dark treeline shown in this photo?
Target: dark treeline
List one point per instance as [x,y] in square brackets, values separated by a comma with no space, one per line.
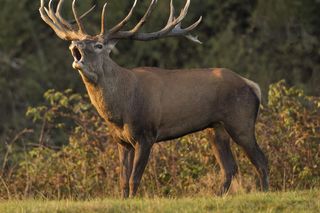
[263,40]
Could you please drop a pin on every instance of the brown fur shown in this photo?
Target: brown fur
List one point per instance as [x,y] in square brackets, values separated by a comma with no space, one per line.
[147,105]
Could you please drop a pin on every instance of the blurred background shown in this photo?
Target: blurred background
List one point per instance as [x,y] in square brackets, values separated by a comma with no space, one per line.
[266,41]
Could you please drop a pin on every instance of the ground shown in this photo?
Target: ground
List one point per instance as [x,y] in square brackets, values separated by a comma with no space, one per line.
[302,201]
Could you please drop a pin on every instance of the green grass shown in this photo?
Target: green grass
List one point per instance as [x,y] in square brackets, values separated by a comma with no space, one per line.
[304,201]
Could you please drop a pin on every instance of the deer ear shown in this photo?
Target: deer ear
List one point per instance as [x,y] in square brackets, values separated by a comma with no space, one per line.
[111,45]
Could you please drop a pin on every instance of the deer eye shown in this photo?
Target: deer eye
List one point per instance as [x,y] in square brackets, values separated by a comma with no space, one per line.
[98,46]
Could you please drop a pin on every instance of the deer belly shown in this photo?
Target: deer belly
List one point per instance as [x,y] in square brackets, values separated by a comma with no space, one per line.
[181,116]
[178,125]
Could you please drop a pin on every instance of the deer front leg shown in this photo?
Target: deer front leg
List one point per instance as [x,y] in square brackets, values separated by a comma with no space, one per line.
[126,154]
[141,157]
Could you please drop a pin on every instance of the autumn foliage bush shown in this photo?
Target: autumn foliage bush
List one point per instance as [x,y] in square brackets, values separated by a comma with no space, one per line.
[75,157]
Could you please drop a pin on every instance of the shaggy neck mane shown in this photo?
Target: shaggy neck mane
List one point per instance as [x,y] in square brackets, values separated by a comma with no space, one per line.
[113,92]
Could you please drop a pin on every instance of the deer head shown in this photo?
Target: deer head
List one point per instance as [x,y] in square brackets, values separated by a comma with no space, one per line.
[90,51]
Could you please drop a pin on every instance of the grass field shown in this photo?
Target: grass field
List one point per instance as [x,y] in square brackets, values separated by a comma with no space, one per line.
[304,201]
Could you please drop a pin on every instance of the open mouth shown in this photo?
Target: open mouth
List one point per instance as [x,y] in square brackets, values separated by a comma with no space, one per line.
[76,54]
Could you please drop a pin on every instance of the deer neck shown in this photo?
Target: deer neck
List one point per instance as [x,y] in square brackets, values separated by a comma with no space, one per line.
[112,92]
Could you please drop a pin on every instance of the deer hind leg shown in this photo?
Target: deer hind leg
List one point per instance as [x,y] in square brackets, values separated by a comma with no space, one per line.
[245,137]
[222,151]
[239,121]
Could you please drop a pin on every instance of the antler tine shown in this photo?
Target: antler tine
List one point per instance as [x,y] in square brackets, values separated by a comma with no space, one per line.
[174,22]
[119,26]
[178,31]
[60,26]
[183,12]
[53,17]
[103,15]
[58,14]
[194,25]
[44,13]
[59,8]
[145,17]
[86,13]
[80,26]
[68,23]
[171,16]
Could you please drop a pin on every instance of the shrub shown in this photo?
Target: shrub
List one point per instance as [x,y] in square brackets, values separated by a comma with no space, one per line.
[289,131]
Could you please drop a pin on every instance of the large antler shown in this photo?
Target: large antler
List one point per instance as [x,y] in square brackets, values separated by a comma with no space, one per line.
[172,28]
[64,29]
[67,31]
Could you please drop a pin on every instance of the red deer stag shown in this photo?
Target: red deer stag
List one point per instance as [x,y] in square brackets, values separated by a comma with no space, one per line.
[146,105]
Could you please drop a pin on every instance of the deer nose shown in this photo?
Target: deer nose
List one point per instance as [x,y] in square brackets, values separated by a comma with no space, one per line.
[78,44]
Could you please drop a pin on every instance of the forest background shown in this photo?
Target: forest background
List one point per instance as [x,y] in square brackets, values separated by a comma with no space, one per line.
[266,41]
